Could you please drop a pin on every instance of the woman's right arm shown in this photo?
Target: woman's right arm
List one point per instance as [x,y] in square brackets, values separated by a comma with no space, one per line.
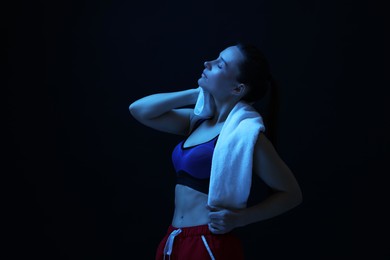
[162,111]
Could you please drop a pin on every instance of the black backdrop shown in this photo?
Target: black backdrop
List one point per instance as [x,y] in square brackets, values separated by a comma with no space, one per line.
[92,183]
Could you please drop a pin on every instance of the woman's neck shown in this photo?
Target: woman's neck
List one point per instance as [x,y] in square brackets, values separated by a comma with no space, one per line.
[222,111]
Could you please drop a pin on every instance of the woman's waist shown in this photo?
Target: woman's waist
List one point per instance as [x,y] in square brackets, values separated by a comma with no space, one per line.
[190,207]
[189,218]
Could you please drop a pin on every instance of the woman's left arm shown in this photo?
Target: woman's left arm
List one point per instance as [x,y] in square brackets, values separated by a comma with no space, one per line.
[286,194]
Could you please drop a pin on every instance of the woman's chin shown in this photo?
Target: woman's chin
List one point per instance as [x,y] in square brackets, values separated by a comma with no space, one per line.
[201,82]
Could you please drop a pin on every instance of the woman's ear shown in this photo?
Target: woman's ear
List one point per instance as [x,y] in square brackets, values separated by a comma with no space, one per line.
[240,89]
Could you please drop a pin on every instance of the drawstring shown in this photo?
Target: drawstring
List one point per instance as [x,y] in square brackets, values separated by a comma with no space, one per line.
[169,244]
[207,247]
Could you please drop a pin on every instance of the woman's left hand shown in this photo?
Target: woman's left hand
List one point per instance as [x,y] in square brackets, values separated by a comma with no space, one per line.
[222,220]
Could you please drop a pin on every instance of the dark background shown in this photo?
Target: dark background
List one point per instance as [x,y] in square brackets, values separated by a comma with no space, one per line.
[90,182]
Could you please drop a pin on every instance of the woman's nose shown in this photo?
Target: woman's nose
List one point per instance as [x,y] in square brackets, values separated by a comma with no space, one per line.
[207,64]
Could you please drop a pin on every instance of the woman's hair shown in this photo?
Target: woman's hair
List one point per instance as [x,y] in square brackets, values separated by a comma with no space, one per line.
[255,72]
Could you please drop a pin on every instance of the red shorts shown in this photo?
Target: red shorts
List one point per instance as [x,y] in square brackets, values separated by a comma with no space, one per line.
[198,243]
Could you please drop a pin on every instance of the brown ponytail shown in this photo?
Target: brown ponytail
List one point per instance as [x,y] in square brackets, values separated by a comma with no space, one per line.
[272,111]
[255,73]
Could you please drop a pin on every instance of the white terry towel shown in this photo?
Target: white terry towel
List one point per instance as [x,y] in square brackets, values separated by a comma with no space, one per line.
[204,106]
[231,168]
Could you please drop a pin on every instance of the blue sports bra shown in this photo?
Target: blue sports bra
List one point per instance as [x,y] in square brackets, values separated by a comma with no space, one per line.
[193,164]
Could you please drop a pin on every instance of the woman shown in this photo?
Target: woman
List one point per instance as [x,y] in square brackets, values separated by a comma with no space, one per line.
[240,75]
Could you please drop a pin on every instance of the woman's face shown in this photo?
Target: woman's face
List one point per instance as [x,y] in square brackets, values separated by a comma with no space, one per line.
[220,75]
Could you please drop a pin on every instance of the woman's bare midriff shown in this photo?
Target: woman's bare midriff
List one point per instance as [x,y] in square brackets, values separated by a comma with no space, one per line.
[190,207]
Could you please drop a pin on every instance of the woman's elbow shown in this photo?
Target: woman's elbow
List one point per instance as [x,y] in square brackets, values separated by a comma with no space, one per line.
[297,196]
[132,108]
[135,110]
